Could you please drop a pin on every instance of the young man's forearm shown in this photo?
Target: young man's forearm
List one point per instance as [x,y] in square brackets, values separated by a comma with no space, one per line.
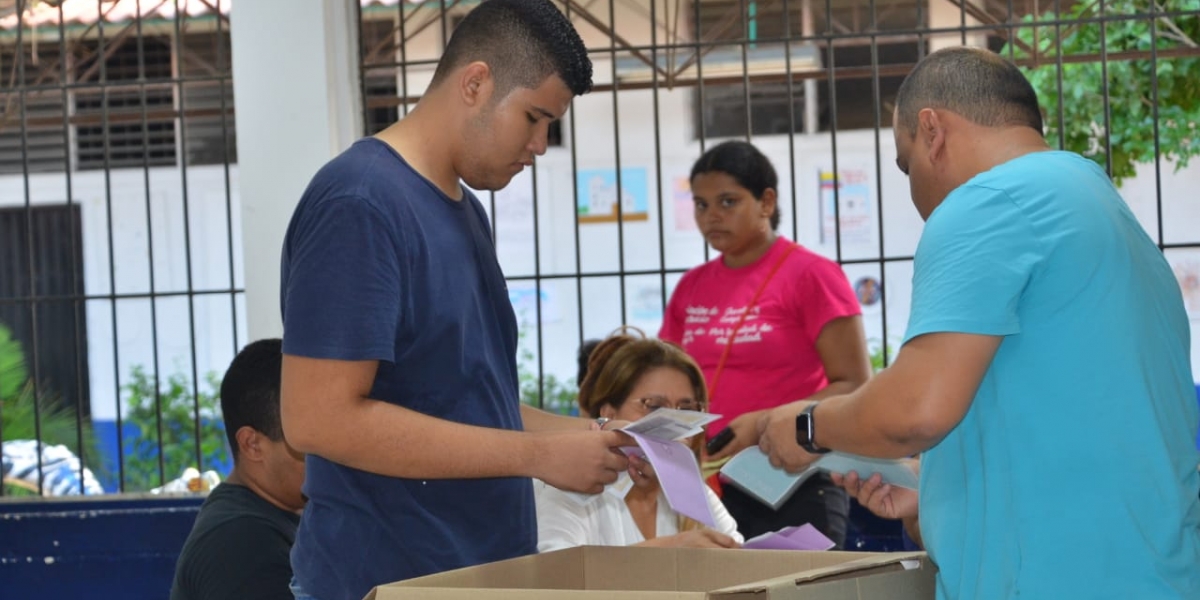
[386,439]
[536,419]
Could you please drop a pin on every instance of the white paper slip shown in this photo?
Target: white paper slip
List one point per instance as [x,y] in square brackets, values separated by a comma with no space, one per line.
[671,424]
[893,471]
[750,471]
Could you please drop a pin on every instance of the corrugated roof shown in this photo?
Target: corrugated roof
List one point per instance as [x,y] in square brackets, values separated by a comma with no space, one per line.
[86,12]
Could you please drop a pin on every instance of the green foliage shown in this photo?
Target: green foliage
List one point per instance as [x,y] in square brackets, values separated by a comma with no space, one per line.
[26,413]
[13,375]
[1129,82]
[554,395]
[877,362]
[178,443]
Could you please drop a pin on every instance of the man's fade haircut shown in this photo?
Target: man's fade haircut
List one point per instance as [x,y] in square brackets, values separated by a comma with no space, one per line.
[250,392]
[523,42]
[978,84]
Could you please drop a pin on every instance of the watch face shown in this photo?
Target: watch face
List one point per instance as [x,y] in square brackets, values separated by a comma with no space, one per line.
[804,429]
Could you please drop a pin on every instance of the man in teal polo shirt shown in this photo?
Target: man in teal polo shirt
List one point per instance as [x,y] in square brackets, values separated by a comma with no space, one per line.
[1045,373]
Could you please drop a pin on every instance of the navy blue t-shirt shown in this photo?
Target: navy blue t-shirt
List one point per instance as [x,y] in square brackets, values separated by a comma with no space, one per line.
[379,264]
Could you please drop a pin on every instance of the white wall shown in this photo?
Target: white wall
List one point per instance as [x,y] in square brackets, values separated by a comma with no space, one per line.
[125,196]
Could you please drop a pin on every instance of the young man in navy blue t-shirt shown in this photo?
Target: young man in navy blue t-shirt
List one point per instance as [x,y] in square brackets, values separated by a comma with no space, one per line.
[399,370]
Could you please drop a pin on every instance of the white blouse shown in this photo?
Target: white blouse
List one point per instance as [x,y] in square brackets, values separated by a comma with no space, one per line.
[606,521]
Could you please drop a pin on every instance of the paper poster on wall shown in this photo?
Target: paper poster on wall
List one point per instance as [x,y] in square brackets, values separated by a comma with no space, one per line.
[598,196]
[681,203]
[853,194]
[524,298]
[514,208]
[647,304]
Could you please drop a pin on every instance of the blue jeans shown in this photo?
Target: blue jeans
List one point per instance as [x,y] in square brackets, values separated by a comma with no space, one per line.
[298,592]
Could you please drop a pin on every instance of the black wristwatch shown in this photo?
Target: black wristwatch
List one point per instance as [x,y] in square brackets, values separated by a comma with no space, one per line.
[806,431]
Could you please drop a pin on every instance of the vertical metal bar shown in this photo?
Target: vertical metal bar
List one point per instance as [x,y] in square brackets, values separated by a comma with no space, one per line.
[112,250]
[141,79]
[962,23]
[1158,196]
[700,100]
[746,35]
[537,289]
[791,100]
[612,54]
[223,75]
[922,28]
[875,92]
[445,30]
[575,212]
[833,125]
[1012,35]
[404,66]
[76,304]
[187,239]
[29,247]
[658,165]
[1058,65]
[1104,91]
[362,62]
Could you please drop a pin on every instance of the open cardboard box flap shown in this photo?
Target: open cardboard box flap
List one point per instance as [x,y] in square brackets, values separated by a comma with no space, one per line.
[867,565]
[634,573]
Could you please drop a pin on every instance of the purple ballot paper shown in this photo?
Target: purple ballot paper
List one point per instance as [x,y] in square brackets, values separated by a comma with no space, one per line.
[804,537]
[679,475]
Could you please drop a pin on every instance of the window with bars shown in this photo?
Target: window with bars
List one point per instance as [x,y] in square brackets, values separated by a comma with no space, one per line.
[124,111]
[45,149]
[777,103]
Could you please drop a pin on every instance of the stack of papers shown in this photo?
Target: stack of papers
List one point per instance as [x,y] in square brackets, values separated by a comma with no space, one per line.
[751,471]
[804,537]
[657,435]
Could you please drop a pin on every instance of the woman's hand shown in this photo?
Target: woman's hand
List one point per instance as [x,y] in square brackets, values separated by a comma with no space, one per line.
[745,434]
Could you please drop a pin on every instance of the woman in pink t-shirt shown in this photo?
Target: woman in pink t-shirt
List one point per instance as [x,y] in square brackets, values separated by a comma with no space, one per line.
[795,324]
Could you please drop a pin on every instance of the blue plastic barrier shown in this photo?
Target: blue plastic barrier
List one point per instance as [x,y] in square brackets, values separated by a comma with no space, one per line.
[112,549]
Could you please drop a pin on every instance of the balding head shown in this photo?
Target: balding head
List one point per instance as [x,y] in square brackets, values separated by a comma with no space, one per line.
[974,83]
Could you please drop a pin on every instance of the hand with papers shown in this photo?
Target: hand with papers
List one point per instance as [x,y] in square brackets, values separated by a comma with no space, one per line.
[659,393]
[777,438]
[752,472]
[884,499]
[581,461]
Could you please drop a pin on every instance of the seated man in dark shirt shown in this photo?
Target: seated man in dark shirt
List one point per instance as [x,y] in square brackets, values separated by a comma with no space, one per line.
[240,544]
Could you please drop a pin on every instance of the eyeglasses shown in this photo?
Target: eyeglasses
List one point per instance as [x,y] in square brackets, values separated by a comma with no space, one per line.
[653,403]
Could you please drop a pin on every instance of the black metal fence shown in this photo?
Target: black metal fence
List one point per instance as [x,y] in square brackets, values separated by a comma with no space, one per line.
[121,272]
[812,82]
[121,286]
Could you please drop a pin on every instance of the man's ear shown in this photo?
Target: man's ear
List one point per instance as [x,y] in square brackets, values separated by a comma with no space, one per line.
[475,84]
[931,128]
[607,411]
[250,443]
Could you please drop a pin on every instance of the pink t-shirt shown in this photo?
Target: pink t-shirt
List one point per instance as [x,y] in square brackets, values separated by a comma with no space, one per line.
[774,359]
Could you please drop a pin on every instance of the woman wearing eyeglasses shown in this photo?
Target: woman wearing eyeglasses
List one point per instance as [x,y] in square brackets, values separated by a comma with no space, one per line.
[769,322]
[627,378]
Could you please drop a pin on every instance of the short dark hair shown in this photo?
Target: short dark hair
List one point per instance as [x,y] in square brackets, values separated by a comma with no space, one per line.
[250,391]
[746,164]
[585,354]
[976,83]
[523,42]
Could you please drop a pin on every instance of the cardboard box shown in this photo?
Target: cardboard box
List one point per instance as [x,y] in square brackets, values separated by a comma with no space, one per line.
[628,573]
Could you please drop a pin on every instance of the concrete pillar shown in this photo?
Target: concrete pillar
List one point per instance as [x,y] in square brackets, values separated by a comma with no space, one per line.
[298,103]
